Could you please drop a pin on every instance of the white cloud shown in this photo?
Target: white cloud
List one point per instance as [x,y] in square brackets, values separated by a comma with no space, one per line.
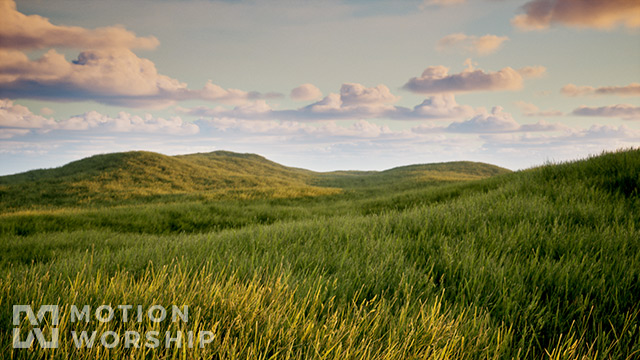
[496,121]
[480,45]
[355,101]
[329,129]
[436,80]
[111,76]
[126,122]
[442,107]
[499,121]
[306,92]
[16,116]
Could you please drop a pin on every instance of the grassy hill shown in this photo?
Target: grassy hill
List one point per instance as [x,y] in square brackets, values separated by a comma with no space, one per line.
[116,178]
[536,264]
[137,176]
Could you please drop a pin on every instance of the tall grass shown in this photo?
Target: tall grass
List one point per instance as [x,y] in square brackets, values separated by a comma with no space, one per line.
[543,263]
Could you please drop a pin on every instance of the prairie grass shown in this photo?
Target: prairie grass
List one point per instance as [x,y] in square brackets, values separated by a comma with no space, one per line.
[539,264]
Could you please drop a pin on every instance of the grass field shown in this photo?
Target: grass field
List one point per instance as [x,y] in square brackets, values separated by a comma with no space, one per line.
[443,261]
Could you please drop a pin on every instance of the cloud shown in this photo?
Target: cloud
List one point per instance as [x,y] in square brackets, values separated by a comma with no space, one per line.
[15,116]
[480,45]
[114,76]
[357,94]
[442,106]
[529,109]
[541,14]
[18,116]
[305,92]
[107,71]
[440,3]
[528,72]
[11,133]
[126,122]
[632,89]
[498,121]
[358,129]
[543,126]
[624,111]
[436,79]
[46,111]
[109,76]
[355,101]
[19,31]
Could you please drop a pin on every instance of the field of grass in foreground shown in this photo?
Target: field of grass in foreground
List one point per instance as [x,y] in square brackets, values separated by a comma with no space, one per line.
[543,263]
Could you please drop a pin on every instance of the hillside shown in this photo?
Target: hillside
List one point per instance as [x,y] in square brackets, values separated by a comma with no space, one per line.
[145,176]
[535,264]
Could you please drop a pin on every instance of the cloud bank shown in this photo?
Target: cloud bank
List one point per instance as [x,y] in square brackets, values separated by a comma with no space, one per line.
[354,101]
[14,117]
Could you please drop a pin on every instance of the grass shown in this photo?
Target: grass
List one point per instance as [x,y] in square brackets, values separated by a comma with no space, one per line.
[543,263]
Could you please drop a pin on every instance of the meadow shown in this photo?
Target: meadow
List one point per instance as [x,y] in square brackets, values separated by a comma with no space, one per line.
[440,261]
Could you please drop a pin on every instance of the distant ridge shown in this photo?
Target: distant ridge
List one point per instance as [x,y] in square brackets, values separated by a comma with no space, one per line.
[109,178]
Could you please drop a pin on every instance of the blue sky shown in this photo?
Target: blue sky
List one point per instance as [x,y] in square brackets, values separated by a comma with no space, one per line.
[322,85]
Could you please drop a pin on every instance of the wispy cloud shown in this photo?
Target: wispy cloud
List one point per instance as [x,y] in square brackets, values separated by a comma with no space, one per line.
[624,111]
[439,3]
[480,45]
[632,89]
[531,110]
[541,14]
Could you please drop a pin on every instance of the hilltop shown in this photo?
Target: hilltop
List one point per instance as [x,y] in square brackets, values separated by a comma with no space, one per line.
[147,176]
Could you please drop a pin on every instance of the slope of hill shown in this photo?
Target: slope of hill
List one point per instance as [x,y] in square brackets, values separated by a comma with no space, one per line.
[410,176]
[145,176]
[536,264]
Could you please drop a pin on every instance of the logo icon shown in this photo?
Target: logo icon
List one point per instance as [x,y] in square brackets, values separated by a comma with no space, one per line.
[18,310]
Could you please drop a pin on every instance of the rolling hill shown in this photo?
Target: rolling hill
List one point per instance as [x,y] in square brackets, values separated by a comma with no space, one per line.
[145,176]
[535,264]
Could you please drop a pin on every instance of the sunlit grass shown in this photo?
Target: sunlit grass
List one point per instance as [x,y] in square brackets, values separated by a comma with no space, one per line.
[543,263]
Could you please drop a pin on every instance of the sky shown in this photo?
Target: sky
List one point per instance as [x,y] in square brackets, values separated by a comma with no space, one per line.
[323,85]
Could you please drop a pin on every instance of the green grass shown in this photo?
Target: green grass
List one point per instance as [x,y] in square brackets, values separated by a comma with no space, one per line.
[409,263]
